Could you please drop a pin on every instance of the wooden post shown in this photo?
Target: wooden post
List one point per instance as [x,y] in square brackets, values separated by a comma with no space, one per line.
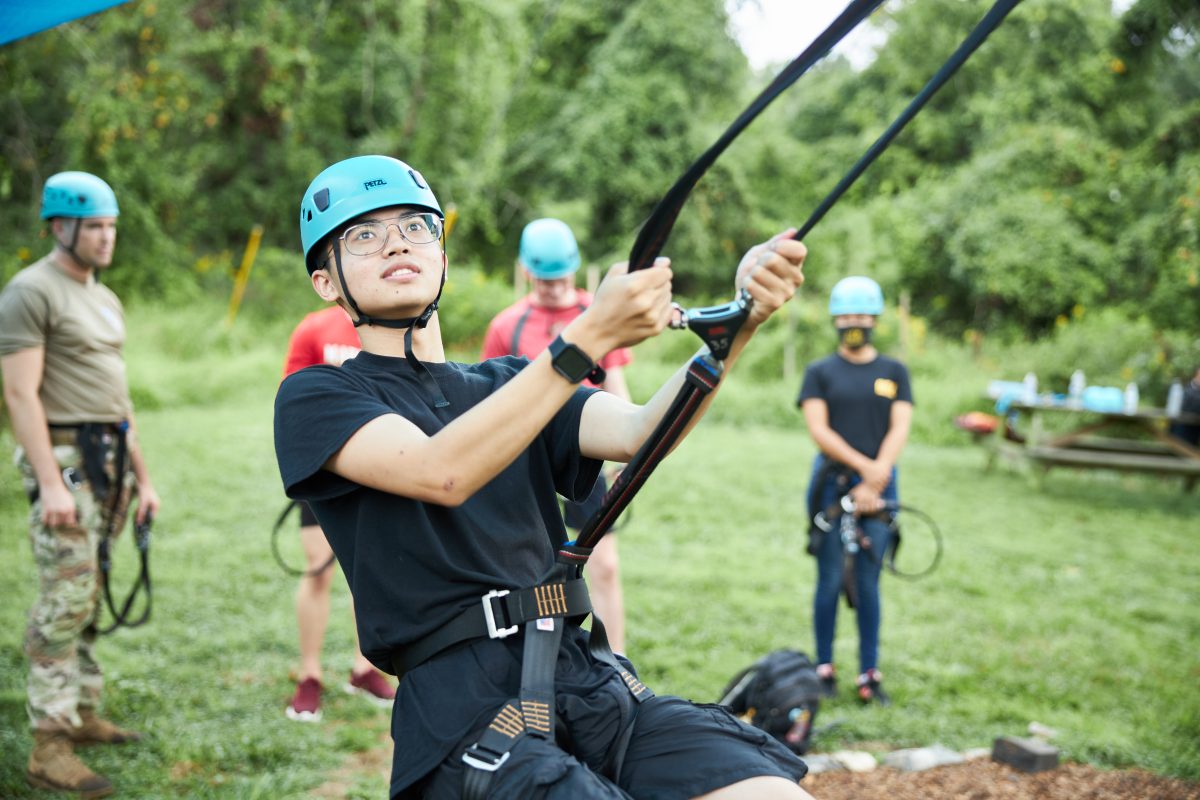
[243,275]
[593,278]
[902,311]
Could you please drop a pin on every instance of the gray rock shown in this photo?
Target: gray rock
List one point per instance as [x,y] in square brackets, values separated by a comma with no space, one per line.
[822,762]
[921,758]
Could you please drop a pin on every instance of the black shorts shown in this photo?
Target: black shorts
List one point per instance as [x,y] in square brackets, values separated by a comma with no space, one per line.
[678,750]
[307,517]
[576,515]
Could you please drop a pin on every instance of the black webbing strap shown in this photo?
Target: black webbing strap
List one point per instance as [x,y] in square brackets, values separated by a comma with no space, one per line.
[499,614]
[703,375]
[989,23]
[532,712]
[654,233]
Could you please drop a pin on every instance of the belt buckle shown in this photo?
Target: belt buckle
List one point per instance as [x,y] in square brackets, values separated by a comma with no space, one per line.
[489,616]
[478,763]
[71,479]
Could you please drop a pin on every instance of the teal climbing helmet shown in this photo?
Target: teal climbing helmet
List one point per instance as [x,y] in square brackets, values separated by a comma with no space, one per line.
[856,295]
[79,195]
[355,186]
[548,249]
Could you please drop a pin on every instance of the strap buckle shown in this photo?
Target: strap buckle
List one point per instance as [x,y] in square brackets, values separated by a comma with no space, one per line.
[492,763]
[489,617]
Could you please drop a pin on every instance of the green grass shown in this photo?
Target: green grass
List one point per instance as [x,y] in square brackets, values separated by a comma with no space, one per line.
[1075,606]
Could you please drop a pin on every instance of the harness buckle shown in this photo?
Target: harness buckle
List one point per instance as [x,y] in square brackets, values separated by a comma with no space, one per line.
[489,617]
[492,763]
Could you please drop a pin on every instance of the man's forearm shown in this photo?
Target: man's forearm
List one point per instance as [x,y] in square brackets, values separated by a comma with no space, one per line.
[33,434]
[136,460]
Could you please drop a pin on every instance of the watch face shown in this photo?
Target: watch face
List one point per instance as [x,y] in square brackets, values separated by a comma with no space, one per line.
[573,363]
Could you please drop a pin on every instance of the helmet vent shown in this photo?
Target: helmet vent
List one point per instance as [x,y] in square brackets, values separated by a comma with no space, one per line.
[321,199]
[417,179]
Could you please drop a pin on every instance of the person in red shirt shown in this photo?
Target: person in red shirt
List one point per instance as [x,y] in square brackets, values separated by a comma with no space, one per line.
[323,337]
[550,257]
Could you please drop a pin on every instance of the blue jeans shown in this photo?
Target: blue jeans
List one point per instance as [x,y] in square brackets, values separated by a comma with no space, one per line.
[867,565]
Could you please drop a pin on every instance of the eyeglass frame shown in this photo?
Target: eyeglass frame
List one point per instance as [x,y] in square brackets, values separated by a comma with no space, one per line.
[388,224]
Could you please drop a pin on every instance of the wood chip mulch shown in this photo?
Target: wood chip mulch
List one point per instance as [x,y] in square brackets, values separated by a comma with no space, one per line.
[984,779]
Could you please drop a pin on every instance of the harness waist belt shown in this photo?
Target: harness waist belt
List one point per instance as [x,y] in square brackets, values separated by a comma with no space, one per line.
[74,426]
[499,613]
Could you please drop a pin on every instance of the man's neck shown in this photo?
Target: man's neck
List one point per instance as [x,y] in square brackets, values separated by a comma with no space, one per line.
[570,300]
[427,341]
[863,355]
[71,266]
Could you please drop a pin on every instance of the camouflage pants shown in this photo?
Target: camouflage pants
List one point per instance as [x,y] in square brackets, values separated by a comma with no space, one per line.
[61,634]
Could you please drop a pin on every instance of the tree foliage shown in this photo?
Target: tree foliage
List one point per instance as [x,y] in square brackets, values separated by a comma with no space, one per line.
[1057,173]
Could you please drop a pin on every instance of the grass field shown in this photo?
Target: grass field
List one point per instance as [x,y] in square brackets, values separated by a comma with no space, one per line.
[1077,606]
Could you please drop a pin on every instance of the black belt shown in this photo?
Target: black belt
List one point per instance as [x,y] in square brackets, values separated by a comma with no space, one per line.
[74,426]
[500,613]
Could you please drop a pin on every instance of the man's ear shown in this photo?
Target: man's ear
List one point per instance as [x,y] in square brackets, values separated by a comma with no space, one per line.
[59,228]
[324,285]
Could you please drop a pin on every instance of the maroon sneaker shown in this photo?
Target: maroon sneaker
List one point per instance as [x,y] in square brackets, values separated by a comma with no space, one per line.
[870,688]
[306,702]
[373,686]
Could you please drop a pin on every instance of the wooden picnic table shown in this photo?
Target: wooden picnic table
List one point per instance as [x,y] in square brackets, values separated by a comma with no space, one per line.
[1062,433]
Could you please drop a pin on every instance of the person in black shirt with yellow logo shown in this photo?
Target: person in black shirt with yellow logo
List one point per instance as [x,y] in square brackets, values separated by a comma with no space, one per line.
[858,406]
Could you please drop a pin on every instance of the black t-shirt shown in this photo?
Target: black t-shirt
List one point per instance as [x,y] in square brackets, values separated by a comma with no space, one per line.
[859,397]
[413,566]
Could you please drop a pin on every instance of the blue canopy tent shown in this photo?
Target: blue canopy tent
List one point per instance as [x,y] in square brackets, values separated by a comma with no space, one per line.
[21,18]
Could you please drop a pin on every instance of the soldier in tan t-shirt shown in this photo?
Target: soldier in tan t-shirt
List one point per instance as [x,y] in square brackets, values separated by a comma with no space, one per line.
[61,335]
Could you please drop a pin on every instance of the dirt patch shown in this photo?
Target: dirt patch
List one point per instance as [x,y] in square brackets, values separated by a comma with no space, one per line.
[984,779]
[377,762]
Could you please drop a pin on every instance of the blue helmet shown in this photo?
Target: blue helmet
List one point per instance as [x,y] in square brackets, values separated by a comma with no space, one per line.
[79,195]
[353,187]
[856,295]
[548,249]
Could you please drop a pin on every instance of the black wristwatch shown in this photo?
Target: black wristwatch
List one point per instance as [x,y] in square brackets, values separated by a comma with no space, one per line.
[574,364]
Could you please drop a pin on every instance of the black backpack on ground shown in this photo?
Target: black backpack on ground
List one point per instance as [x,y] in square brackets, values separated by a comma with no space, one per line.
[780,693]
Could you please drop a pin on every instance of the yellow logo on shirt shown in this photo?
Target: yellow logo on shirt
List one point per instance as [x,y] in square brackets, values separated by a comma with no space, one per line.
[885,388]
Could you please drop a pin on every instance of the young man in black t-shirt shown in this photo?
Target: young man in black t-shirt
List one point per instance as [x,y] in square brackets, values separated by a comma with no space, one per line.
[858,406]
[436,483]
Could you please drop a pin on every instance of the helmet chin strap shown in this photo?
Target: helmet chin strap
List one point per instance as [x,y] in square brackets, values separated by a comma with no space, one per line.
[439,398]
[71,249]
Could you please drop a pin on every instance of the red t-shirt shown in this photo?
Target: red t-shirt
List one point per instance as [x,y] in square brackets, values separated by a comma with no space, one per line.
[525,329]
[322,337]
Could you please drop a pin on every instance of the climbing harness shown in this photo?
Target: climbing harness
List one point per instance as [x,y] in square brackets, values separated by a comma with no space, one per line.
[279,559]
[532,712]
[94,441]
[842,515]
[540,614]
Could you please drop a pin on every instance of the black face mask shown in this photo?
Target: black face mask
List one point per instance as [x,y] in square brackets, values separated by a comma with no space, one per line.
[854,337]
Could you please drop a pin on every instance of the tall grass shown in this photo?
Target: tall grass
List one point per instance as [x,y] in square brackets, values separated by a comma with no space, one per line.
[1074,606]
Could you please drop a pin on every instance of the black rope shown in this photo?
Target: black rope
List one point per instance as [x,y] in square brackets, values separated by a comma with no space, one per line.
[121,619]
[290,570]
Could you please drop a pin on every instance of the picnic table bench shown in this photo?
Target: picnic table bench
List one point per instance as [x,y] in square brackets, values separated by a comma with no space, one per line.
[1083,438]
